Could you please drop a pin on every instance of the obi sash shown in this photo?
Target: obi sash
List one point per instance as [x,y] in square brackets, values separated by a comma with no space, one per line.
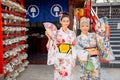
[64,48]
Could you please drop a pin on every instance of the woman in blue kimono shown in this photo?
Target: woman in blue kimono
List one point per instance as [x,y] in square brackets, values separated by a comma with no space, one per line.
[91,46]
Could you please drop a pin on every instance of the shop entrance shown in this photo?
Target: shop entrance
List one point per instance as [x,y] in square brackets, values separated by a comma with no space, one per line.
[37,40]
[37,52]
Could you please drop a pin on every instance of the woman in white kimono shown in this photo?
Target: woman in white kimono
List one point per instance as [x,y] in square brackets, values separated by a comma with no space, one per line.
[91,46]
[61,50]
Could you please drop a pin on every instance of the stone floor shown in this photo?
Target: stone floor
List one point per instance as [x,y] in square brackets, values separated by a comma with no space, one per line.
[44,72]
[1,77]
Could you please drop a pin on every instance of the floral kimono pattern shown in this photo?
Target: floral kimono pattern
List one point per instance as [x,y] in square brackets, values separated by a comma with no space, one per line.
[63,62]
[89,41]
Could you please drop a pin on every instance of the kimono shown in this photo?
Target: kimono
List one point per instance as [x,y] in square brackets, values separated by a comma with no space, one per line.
[90,41]
[63,62]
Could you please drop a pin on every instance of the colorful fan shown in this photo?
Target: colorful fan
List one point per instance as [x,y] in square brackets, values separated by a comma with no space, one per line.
[49,25]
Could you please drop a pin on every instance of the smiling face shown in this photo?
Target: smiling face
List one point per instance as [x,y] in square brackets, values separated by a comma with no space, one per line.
[65,22]
[84,25]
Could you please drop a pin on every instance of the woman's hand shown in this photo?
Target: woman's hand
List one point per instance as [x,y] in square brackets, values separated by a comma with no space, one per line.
[48,33]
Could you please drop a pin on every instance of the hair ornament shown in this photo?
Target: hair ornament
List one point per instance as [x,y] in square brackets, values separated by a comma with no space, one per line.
[87,20]
[60,14]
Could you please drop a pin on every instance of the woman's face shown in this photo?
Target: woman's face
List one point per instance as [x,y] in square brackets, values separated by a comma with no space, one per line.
[65,22]
[84,27]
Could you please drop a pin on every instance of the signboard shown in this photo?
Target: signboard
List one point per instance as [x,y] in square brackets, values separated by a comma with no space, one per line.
[45,10]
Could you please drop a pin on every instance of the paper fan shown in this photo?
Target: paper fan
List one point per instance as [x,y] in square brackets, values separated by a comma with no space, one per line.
[49,25]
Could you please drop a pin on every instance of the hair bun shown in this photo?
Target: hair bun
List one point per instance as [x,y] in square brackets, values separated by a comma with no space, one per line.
[65,13]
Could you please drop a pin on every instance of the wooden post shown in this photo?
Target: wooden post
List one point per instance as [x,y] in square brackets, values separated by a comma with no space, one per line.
[71,13]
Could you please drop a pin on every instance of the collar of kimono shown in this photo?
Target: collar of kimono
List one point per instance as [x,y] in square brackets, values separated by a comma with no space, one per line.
[85,34]
[63,30]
